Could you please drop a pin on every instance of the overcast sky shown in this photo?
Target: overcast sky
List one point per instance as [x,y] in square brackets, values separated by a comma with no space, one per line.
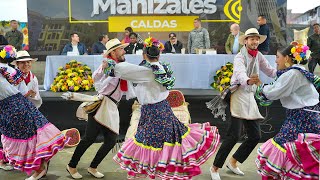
[17,9]
[300,6]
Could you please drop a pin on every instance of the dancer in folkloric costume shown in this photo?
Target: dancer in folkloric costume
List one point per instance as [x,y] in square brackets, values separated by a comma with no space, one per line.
[294,151]
[163,147]
[106,118]
[248,64]
[29,139]
[24,63]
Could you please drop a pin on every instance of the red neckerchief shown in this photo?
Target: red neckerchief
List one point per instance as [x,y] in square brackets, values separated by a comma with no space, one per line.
[28,78]
[253,52]
[123,83]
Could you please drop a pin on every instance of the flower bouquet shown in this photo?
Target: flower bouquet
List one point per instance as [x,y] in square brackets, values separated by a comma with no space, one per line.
[223,77]
[74,76]
[153,42]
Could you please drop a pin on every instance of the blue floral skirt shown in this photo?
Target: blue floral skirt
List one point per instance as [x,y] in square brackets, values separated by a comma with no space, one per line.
[164,147]
[28,137]
[298,121]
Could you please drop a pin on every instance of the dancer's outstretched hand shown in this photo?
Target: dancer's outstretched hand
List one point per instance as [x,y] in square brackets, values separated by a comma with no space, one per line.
[105,64]
[67,95]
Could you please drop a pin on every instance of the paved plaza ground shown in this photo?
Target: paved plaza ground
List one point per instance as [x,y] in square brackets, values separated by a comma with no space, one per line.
[111,170]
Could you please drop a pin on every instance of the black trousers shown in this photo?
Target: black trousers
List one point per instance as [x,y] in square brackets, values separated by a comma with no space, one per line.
[313,63]
[92,131]
[252,128]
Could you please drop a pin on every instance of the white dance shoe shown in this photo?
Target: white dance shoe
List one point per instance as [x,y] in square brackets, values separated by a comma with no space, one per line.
[6,167]
[214,175]
[75,175]
[31,178]
[42,173]
[95,174]
[235,170]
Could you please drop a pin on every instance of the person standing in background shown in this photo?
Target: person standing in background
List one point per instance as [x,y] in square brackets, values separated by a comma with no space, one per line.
[98,47]
[198,37]
[264,30]
[232,45]
[14,37]
[314,45]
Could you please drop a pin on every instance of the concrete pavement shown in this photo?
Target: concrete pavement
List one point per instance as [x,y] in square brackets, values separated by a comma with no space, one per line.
[111,170]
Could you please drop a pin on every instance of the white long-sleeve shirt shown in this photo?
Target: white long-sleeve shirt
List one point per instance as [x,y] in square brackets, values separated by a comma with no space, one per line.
[240,71]
[148,91]
[6,89]
[34,86]
[293,89]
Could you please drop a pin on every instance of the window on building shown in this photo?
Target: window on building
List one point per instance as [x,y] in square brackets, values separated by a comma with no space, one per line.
[41,36]
[49,36]
[53,36]
[49,47]
[46,47]
[57,36]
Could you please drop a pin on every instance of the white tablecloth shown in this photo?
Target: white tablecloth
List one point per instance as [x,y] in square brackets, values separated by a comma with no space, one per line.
[192,71]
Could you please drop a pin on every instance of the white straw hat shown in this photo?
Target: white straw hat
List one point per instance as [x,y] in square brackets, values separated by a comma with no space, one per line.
[114,44]
[252,32]
[23,56]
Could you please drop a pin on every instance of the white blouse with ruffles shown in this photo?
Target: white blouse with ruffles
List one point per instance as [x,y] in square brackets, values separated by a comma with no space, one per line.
[7,89]
[147,90]
[34,85]
[293,89]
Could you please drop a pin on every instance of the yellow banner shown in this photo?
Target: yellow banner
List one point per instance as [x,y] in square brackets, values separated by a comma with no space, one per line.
[151,23]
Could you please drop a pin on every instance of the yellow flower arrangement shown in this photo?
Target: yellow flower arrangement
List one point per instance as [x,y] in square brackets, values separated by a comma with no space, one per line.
[222,78]
[74,76]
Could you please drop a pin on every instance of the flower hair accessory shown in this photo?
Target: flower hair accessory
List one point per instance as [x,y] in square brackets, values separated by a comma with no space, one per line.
[153,42]
[8,52]
[300,52]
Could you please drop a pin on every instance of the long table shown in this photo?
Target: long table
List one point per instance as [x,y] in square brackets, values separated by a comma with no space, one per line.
[192,71]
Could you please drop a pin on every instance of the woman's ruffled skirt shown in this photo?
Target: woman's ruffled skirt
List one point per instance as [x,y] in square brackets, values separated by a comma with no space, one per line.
[297,160]
[163,147]
[28,138]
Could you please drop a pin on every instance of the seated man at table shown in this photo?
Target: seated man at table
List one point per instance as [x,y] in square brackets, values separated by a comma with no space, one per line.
[98,47]
[75,46]
[134,45]
[173,45]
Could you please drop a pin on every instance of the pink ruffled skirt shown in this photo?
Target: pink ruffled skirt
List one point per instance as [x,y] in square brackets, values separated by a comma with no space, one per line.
[296,160]
[163,147]
[28,138]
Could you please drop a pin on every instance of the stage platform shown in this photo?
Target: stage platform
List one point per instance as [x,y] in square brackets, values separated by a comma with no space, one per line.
[62,113]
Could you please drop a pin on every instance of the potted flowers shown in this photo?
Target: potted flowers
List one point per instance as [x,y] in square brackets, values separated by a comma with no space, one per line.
[223,77]
[74,76]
